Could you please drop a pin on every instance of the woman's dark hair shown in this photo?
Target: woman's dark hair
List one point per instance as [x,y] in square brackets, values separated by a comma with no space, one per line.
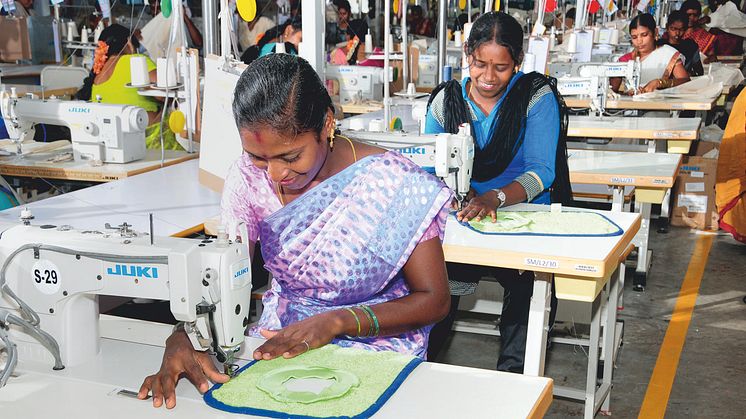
[691,5]
[570,14]
[678,16]
[500,28]
[646,20]
[282,92]
[252,53]
[116,37]
[343,4]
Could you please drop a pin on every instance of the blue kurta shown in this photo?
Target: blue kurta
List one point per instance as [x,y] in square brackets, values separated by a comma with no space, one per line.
[537,154]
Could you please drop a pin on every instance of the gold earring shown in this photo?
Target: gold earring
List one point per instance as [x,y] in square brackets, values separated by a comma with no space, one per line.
[331,140]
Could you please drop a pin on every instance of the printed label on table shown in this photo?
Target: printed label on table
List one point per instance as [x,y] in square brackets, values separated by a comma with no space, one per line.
[541,263]
[586,268]
[664,134]
[622,180]
[46,276]
[660,182]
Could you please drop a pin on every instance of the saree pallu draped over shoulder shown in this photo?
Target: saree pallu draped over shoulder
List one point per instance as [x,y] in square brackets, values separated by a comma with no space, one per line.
[344,243]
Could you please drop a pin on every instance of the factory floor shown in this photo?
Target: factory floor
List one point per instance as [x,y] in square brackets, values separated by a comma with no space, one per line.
[707,380]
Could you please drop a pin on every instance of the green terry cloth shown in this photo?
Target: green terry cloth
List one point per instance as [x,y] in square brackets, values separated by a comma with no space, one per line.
[379,374]
[545,223]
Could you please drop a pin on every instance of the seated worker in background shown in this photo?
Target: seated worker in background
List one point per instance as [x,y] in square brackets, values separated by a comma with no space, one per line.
[418,23]
[249,32]
[155,35]
[696,32]
[336,32]
[676,26]
[352,262]
[569,21]
[518,124]
[111,74]
[661,67]
[345,28]
[24,8]
[290,33]
[728,25]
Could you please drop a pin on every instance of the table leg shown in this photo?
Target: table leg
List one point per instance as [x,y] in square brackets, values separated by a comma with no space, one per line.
[641,241]
[538,325]
[593,355]
[665,217]
[610,343]
[617,200]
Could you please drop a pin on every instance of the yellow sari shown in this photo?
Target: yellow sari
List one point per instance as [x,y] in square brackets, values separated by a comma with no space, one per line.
[730,189]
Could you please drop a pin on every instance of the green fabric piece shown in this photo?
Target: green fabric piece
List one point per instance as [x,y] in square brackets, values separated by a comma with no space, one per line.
[274,383]
[376,371]
[545,222]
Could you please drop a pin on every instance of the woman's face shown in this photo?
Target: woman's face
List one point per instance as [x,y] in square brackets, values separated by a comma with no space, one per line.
[643,39]
[693,16]
[675,32]
[291,162]
[490,69]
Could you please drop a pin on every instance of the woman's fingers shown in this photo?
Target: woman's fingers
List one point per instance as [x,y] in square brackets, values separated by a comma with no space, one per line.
[208,369]
[296,350]
[196,375]
[268,334]
[157,391]
[147,384]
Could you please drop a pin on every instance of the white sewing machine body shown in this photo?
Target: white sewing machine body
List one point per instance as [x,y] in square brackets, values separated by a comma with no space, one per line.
[58,272]
[594,81]
[356,82]
[448,156]
[104,132]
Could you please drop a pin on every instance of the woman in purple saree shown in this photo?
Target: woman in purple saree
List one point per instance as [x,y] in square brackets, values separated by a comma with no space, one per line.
[351,234]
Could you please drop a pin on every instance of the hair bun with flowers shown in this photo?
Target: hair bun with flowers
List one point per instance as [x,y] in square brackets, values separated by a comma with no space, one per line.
[100,56]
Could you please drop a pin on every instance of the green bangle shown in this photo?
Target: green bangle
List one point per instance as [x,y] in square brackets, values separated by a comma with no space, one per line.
[357,320]
[375,319]
[370,322]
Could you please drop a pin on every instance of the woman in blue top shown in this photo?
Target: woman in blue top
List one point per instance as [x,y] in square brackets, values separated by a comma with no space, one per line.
[290,32]
[519,125]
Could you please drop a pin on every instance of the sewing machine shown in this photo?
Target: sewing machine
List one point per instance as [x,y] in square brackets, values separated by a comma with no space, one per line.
[51,278]
[448,156]
[594,82]
[99,132]
[357,83]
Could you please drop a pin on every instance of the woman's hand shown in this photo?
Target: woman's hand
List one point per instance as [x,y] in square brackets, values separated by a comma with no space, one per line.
[300,337]
[650,87]
[180,358]
[480,207]
[469,196]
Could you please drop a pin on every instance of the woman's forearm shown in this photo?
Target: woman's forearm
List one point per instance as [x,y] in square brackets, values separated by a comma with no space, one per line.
[394,317]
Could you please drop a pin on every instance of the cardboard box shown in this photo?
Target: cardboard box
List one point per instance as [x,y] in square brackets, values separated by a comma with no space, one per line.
[694,194]
[15,43]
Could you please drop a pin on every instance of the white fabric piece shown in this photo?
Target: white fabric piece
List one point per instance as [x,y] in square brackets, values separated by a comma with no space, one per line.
[701,87]
[729,19]
[155,36]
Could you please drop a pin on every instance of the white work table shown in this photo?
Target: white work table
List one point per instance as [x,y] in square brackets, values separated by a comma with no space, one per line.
[651,174]
[133,349]
[677,132]
[580,267]
[627,103]
[172,194]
